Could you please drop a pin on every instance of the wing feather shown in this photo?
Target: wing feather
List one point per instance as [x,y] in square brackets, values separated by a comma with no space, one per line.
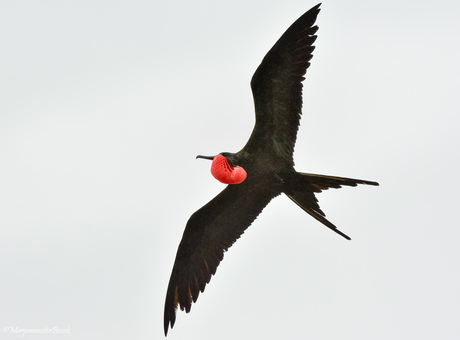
[210,231]
[277,90]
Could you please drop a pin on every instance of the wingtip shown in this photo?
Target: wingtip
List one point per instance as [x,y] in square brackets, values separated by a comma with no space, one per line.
[169,313]
[166,326]
[317,7]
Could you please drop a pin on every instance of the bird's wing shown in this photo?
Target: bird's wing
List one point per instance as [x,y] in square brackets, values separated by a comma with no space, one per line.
[277,89]
[210,231]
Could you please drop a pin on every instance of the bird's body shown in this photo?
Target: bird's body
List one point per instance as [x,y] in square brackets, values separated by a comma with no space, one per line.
[262,170]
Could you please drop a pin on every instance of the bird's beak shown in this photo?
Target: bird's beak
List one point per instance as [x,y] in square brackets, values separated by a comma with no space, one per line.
[206,157]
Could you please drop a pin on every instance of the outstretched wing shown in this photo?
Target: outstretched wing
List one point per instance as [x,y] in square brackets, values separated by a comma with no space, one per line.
[210,231]
[277,90]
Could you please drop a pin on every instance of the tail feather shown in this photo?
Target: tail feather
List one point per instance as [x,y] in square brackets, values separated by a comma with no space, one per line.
[323,182]
[304,196]
[299,199]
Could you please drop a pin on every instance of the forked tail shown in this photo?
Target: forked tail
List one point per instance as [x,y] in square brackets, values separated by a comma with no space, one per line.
[303,194]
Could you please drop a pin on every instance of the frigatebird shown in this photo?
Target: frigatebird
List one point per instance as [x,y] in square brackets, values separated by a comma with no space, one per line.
[262,170]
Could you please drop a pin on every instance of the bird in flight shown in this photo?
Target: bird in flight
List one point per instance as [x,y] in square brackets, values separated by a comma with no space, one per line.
[262,170]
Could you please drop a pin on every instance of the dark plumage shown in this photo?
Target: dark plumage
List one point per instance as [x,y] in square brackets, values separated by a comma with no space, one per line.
[268,160]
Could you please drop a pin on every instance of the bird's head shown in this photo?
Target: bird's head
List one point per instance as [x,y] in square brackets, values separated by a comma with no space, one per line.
[224,169]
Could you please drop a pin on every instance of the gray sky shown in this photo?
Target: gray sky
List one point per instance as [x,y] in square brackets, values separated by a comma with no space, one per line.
[104,106]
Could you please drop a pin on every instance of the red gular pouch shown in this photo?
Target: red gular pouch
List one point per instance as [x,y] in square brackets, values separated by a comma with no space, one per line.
[225,173]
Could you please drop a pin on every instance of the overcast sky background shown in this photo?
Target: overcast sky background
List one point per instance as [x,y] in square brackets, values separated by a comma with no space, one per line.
[104,106]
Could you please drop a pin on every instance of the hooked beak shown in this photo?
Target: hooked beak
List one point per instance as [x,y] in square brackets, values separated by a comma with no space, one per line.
[205,157]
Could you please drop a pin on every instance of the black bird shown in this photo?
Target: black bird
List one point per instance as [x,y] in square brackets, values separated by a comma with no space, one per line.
[262,170]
